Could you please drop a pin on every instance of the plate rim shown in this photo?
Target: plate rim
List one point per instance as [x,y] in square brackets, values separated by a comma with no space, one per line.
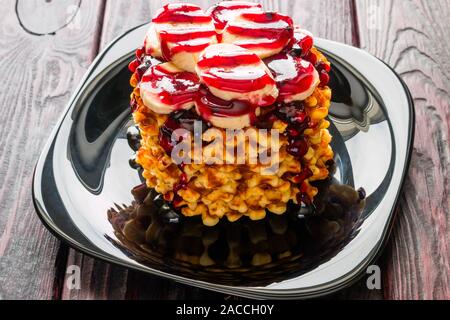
[44,216]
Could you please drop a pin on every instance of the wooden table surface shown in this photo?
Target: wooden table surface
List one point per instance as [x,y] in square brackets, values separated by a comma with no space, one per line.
[46,46]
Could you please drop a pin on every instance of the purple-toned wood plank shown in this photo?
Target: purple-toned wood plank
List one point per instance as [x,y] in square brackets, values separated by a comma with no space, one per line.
[328,19]
[412,37]
[45,47]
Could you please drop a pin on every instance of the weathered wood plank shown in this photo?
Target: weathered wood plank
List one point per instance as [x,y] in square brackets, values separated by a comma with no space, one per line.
[40,64]
[412,36]
[327,19]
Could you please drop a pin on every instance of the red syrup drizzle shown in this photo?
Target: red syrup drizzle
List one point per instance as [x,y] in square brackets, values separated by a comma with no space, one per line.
[270,30]
[181,13]
[215,78]
[295,116]
[292,74]
[174,41]
[222,12]
[235,72]
[293,77]
[208,105]
[302,41]
[189,46]
[174,89]
[323,70]
[301,47]
[183,119]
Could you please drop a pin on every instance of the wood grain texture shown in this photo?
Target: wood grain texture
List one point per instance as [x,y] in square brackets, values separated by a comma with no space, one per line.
[39,73]
[412,37]
[101,280]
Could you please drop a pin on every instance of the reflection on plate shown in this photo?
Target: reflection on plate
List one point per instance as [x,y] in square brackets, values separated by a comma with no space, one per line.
[83,173]
[246,252]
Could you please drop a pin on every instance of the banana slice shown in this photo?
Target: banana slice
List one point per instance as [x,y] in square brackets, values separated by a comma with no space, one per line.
[152,44]
[264,33]
[165,88]
[228,10]
[234,73]
[179,33]
[296,78]
[234,114]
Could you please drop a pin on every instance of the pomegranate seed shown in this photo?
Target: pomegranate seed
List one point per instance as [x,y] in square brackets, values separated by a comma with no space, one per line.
[139,53]
[183,178]
[300,117]
[302,176]
[133,65]
[293,132]
[298,148]
[306,44]
[322,66]
[311,57]
[324,78]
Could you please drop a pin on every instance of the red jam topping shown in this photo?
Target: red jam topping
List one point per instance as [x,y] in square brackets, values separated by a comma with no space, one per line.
[293,75]
[191,40]
[323,69]
[209,105]
[240,79]
[183,28]
[181,119]
[228,60]
[295,116]
[231,68]
[228,10]
[264,30]
[302,40]
[171,88]
[181,13]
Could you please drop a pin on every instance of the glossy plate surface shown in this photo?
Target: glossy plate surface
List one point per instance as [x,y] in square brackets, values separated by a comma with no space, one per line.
[83,174]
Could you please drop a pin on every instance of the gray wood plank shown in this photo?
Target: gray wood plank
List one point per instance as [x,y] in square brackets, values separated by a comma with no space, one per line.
[45,47]
[412,37]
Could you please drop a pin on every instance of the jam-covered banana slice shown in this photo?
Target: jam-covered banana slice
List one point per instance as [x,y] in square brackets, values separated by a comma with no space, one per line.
[238,84]
[234,73]
[179,33]
[233,114]
[228,10]
[264,33]
[165,88]
[296,78]
[303,40]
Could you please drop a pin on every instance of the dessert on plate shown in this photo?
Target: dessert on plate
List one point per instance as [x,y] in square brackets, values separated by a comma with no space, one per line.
[216,92]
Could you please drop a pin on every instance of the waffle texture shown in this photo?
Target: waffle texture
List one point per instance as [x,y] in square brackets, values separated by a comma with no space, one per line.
[217,189]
